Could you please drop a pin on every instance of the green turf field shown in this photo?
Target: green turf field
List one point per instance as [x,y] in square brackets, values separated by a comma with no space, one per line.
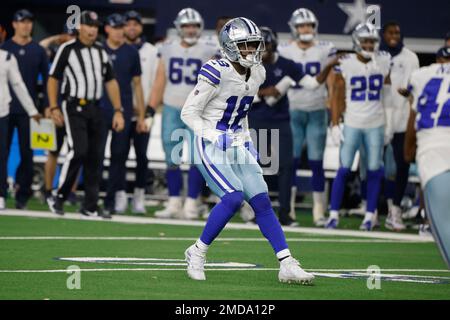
[151,265]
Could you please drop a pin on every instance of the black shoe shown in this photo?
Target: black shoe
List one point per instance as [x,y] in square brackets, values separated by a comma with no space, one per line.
[56,205]
[21,205]
[288,222]
[96,213]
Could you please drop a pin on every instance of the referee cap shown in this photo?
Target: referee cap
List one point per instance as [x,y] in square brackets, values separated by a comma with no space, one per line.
[89,18]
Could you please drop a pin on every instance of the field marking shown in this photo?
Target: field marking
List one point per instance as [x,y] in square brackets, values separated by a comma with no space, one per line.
[230,226]
[223,239]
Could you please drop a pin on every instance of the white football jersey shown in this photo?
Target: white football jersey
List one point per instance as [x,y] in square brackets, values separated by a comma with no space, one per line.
[430,87]
[182,67]
[403,65]
[221,99]
[311,61]
[363,89]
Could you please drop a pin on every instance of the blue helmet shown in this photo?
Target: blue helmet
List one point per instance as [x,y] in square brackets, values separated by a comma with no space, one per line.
[237,31]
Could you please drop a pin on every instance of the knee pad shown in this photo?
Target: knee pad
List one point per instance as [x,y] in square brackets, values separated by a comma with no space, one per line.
[261,204]
[233,200]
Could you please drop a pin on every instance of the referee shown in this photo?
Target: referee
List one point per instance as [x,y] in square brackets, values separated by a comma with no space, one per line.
[83,67]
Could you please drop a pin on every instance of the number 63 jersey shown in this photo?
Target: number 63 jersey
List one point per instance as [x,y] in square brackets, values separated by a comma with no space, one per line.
[430,87]
[182,67]
[221,100]
[363,85]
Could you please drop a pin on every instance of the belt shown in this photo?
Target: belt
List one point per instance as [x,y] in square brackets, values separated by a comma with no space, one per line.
[82,102]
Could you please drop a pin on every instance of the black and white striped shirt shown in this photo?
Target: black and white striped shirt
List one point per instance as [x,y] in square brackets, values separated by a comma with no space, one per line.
[82,69]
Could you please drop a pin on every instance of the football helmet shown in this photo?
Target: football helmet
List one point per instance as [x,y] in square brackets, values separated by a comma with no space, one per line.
[241,31]
[188,16]
[301,16]
[365,31]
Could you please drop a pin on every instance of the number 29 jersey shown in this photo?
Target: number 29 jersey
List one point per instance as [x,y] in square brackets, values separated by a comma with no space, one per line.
[363,89]
[224,97]
[430,87]
[182,67]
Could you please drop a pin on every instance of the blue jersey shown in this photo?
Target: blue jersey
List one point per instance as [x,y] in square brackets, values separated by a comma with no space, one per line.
[33,62]
[274,73]
[127,65]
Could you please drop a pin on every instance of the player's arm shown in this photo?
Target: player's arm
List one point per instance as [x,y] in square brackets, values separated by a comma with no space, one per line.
[337,105]
[17,84]
[158,85]
[112,88]
[139,98]
[409,151]
[191,113]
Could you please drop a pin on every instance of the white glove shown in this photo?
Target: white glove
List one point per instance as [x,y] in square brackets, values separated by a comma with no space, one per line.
[336,135]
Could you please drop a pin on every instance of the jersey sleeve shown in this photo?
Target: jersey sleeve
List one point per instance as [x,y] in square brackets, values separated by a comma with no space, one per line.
[136,70]
[210,72]
[294,71]
[60,62]
[108,71]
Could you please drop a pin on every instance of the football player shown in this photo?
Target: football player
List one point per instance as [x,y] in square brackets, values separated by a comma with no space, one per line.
[216,110]
[309,117]
[359,84]
[176,75]
[429,130]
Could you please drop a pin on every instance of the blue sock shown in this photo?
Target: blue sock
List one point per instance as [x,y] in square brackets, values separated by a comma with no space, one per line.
[318,175]
[337,191]
[295,166]
[363,189]
[220,215]
[373,189]
[195,182]
[389,189]
[174,181]
[267,221]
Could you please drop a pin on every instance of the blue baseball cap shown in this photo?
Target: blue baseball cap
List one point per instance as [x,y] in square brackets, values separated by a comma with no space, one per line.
[115,20]
[443,52]
[133,15]
[22,14]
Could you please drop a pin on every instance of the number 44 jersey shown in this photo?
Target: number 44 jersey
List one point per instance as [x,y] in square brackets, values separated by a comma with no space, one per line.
[430,87]
[363,89]
[221,99]
[182,67]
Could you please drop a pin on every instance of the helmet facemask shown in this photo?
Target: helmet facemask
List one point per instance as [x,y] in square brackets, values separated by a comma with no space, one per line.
[306,37]
[300,17]
[363,43]
[253,49]
[188,37]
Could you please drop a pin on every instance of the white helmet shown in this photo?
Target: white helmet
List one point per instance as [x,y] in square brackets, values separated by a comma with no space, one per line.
[301,16]
[241,30]
[365,31]
[188,16]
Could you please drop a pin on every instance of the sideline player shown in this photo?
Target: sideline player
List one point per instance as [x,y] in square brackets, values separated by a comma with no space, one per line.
[359,85]
[176,76]
[429,130]
[309,115]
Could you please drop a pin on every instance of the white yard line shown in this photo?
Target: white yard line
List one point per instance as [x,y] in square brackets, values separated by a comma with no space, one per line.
[231,225]
[223,239]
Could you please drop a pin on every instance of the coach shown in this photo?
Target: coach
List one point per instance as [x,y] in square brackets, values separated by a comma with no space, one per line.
[32,61]
[83,66]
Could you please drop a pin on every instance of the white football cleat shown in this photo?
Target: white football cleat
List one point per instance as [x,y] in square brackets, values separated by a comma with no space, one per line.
[138,201]
[290,271]
[191,209]
[173,209]
[121,202]
[394,220]
[360,210]
[368,222]
[2,203]
[195,263]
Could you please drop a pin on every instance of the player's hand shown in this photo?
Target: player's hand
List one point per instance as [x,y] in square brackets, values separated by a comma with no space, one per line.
[404,92]
[223,141]
[37,117]
[118,122]
[48,112]
[57,116]
[336,60]
[141,126]
[269,92]
[251,148]
[336,135]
